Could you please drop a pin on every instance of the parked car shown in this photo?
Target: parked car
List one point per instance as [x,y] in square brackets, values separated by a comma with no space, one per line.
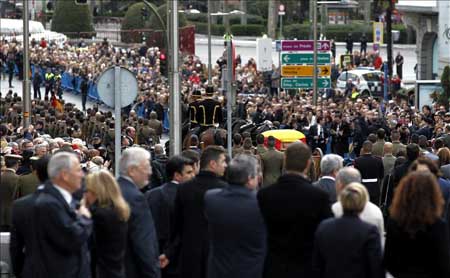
[367,81]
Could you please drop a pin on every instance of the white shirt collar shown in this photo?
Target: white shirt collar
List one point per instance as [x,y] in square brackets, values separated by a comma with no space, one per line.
[329,177]
[174,181]
[66,194]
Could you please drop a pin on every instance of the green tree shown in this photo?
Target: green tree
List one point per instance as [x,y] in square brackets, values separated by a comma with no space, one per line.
[72,19]
[134,20]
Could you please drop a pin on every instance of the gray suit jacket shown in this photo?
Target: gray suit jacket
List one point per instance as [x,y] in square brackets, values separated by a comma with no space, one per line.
[388,163]
[329,186]
[445,169]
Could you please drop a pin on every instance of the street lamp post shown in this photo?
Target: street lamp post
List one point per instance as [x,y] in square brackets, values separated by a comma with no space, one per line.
[175,100]
[209,43]
[315,53]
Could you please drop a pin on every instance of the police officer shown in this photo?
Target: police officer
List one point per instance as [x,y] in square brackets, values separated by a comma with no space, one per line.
[209,111]
[48,81]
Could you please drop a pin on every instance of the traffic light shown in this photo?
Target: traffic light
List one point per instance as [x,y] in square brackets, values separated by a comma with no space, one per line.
[163,65]
[81,2]
[144,13]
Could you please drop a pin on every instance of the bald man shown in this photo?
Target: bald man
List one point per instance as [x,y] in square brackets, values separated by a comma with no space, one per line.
[388,158]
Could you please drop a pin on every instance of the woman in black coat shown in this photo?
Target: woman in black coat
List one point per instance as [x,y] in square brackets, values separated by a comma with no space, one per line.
[417,241]
[110,214]
[347,246]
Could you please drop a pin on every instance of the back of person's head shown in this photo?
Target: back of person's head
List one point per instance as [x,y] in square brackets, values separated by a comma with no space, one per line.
[271,141]
[417,202]
[247,144]
[159,149]
[438,143]
[297,157]
[105,188]
[176,164]
[372,138]
[388,147]
[40,166]
[423,141]
[395,135]
[425,164]
[259,139]
[241,169]
[381,133]
[237,139]
[132,157]
[353,198]
[348,175]
[367,147]
[412,152]
[414,139]
[330,164]
[444,156]
[211,153]
[399,161]
[191,155]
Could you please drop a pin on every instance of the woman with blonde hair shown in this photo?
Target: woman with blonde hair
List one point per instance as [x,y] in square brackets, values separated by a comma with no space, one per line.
[347,246]
[110,214]
[417,239]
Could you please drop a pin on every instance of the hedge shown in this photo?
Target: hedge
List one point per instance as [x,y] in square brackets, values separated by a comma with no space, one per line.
[234,19]
[339,32]
[133,20]
[253,30]
[202,28]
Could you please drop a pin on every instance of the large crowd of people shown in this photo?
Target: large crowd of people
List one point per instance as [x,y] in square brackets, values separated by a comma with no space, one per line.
[376,200]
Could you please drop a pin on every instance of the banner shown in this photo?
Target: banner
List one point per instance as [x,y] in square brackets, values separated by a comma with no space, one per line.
[378,31]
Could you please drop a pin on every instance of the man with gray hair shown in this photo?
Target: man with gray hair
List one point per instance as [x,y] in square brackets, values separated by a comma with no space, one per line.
[329,167]
[371,213]
[237,233]
[141,258]
[62,230]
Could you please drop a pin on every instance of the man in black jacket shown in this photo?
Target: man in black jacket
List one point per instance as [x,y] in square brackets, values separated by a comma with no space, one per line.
[190,234]
[237,232]
[141,259]
[292,209]
[22,247]
[62,231]
[161,201]
[372,172]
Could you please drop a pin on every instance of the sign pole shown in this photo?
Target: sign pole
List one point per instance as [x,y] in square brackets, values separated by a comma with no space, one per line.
[315,53]
[118,120]
[26,67]
[229,94]
[175,100]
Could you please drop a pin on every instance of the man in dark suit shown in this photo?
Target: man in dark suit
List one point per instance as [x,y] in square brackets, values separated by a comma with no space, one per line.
[62,231]
[190,234]
[372,172]
[318,135]
[292,209]
[340,131]
[237,232]
[161,201]
[141,258]
[23,241]
[330,165]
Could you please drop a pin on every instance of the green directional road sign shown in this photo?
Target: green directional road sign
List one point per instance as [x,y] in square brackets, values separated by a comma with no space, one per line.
[304,83]
[305,58]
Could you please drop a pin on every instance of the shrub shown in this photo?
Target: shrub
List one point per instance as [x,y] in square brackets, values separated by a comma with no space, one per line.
[133,20]
[202,28]
[247,30]
[72,19]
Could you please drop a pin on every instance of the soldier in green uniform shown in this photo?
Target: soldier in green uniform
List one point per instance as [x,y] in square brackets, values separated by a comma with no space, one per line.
[8,189]
[28,183]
